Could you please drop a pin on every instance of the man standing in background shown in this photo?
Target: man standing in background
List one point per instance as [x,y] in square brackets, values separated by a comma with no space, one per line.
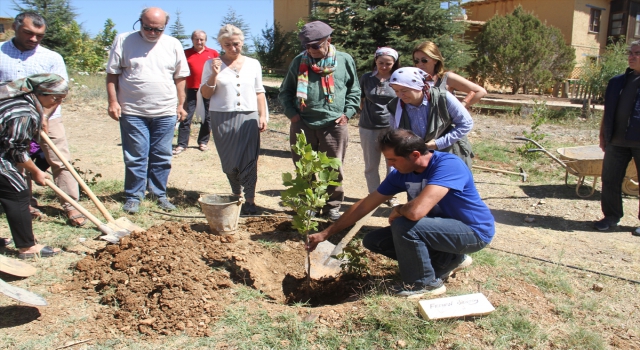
[196,57]
[21,57]
[319,94]
[146,79]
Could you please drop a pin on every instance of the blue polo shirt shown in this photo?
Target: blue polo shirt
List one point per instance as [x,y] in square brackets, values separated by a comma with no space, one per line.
[462,202]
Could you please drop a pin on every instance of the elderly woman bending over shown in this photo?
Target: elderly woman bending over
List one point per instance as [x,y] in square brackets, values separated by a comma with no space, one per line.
[431,113]
[238,112]
[25,105]
[427,57]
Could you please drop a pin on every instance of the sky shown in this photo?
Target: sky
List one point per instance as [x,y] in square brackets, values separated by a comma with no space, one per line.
[195,14]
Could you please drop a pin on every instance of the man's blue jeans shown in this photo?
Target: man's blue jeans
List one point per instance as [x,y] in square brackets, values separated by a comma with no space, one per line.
[146,148]
[614,168]
[423,248]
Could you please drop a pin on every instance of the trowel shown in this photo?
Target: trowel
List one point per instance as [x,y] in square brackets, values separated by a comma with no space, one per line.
[323,266]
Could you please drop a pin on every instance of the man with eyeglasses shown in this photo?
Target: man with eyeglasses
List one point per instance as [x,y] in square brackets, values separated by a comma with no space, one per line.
[21,57]
[320,93]
[619,138]
[146,80]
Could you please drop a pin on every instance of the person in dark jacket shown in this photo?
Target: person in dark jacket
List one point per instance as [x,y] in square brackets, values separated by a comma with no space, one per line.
[619,138]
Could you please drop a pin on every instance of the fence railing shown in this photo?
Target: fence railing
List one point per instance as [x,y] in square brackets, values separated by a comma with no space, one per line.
[574,88]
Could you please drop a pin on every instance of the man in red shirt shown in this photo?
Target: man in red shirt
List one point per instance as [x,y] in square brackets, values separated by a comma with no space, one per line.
[196,57]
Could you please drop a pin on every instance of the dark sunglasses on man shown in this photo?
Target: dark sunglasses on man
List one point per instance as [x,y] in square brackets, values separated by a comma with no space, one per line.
[316,46]
[423,60]
[152,29]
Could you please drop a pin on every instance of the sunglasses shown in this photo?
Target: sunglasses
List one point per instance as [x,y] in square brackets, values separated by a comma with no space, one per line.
[152,29]
[316,46]
[423,60]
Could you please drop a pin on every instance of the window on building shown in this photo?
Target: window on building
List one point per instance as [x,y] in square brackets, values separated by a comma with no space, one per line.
[594,20]
[636,32]
[1,28]
[616,24]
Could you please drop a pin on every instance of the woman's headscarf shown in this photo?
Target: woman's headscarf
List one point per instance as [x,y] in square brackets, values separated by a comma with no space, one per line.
[413,78]
[37,84]
[40,84]
[384,51]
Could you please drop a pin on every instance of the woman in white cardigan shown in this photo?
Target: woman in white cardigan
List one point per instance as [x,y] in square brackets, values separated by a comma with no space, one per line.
[238,112]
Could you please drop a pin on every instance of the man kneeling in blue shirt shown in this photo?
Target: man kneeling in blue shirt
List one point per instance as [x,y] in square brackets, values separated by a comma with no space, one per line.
[443,220]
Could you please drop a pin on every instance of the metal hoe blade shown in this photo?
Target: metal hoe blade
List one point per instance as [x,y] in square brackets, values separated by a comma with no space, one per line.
[21,295]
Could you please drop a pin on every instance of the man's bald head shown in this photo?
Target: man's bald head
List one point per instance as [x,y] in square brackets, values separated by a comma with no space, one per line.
[154,14]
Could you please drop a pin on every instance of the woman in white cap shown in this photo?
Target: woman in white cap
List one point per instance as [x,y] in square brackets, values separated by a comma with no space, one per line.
[374,116]
[431,113]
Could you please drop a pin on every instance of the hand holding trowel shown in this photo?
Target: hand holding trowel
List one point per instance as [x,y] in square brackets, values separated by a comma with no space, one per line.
[323,266]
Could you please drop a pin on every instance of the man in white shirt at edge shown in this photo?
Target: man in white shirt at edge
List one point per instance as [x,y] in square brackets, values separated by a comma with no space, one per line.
[146,79]
[21,57]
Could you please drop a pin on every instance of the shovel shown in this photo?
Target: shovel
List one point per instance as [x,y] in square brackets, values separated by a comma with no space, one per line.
[112,236]
[323,266]
[115,225]
[20,294]
[15,267]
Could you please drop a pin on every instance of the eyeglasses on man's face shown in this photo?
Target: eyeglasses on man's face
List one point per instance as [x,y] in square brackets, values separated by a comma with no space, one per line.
[316,46]
[633,53]
[152,29]
[57,99]
[423,60]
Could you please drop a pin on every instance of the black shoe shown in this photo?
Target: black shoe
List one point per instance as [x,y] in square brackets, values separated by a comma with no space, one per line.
[459,263]
[436,287]
[604,225]
[249,209]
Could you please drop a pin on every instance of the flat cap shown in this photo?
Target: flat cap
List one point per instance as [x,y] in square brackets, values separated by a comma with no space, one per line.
[313,32]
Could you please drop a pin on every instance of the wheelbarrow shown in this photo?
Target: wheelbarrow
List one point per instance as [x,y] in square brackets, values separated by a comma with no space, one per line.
[583,161]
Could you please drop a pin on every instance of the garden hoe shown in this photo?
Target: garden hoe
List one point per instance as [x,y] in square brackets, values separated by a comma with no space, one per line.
[21,295]
[111,235]
[323,266]
[115,225]
[16,267]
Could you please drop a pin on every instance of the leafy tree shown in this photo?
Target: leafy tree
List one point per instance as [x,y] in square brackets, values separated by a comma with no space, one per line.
[596,75]
[272,48]
[361,26]
[519,51]
[81,51]
[307,192]
[58,14]
[104,40]
[177,30]
[231,17]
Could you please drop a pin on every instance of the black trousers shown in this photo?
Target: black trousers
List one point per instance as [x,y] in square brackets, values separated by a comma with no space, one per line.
[185,126]
[16,206]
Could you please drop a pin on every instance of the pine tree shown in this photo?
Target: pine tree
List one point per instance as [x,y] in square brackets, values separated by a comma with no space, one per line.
[519,51]
[177,30]
[361,26]
[231,17]
[272,48]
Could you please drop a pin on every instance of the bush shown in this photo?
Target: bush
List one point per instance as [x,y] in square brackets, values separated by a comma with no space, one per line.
[519,51]
[596,75]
